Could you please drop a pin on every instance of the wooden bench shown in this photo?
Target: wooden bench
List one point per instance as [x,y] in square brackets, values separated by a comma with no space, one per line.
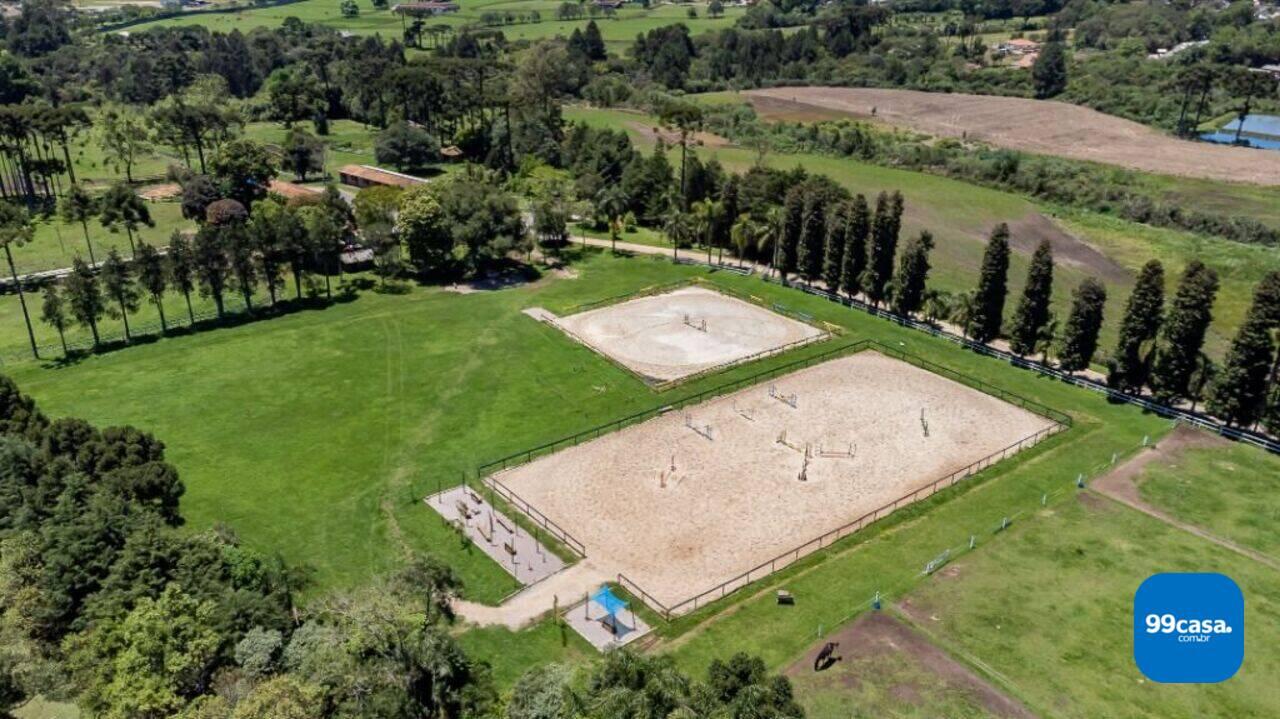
[785,597]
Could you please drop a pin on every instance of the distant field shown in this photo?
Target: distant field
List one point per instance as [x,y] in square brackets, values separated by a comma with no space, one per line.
[961,215]
[619,30]
[1044,127]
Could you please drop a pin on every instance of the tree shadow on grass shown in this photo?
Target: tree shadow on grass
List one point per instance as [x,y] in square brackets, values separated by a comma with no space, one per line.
[151,334]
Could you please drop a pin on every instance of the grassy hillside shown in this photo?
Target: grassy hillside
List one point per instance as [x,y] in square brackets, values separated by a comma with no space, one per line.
[961,215]
[618,31]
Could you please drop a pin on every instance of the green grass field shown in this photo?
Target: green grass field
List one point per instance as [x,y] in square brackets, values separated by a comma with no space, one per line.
[57,242]
[881,687]
[318,430]
[1048,614]
[961,216]
[1188,193]
[1233,492]
[618,31]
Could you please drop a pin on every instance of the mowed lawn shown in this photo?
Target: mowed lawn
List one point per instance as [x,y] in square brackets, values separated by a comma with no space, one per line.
[1048,614]
[56,242]
[314,434]
[1232,491]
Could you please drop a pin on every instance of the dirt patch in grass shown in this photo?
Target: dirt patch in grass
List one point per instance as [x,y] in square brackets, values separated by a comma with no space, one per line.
[1041,126]
[1027,232]
[880,639]
[1121,484]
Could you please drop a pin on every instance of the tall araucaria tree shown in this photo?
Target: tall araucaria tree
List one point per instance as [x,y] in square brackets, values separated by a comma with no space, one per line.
[119,284]
[180,264]
[16,231]
[84,297]
[153,279]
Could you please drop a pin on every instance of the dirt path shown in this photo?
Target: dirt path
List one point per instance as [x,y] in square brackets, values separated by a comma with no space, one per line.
[1121,485]
[878,637]
[529,605]
[1039,126]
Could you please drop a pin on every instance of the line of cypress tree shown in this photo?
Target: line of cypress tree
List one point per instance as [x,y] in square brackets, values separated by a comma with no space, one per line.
[813,236]
[1183,333]
[834,245]
[883,248]
[1033,308]
[792,226]
[1142,317]
[913,274]
[855,247]
[1239,393]
[993,286]
[1080,338]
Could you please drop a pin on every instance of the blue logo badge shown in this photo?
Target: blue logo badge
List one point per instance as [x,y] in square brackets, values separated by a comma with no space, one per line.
[1188,628]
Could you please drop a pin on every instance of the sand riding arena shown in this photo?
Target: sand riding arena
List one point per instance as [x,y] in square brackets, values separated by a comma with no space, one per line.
[685,503]
[674,335]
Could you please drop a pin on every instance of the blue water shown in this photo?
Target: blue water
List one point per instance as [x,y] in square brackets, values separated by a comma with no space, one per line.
[1266,126]
[1227,138]
[1257,124]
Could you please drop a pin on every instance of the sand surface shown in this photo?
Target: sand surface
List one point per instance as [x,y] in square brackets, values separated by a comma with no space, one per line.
[735,498]
[649,335]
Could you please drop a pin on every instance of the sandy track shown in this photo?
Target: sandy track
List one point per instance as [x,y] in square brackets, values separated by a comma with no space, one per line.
[1040,126]
[735,500]
[649,335]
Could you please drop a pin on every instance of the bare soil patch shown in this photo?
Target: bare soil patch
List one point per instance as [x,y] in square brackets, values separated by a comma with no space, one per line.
[1027,232]
[735,498]
[164,191]
[1040,126]
[1121,484]
[681,333]
[876,637]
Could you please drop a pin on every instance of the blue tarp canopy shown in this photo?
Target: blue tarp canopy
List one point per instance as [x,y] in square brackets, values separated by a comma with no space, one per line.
[605,597]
